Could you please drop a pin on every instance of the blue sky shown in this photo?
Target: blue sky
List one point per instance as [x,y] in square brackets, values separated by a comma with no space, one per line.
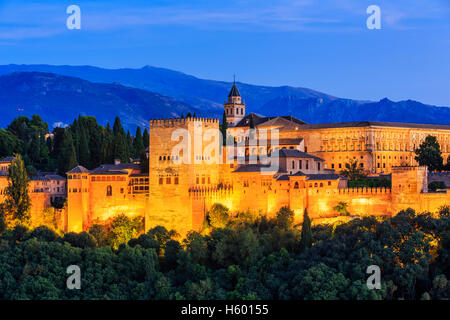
[323,44]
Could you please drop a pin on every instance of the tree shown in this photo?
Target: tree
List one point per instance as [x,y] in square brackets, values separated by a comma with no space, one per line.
[307,236]
[429,154]
[224,127]
[138,143]
[217,216]
[285,218]
[123,229]
[119,142]
[146,138]
[68,157]
[17,199]
[84,155]
[341,208]
[352,170]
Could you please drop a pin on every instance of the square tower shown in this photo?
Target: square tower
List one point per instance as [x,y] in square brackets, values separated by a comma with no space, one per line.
[234,107]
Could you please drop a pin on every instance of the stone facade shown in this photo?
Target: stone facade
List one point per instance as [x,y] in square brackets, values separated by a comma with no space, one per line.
[190,170]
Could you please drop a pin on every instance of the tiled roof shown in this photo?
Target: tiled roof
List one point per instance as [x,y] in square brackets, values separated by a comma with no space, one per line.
[325,176]
[7,159]
[116,167]
[47,177]
[372,124]
[294,153]
[234,92]
[251,168]
[260,121]
[79,169]
[108,172]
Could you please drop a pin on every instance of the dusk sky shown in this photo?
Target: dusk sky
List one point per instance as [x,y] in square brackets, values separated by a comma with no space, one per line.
[323,45]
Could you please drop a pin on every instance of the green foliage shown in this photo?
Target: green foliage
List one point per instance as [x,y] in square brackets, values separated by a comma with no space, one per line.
[123,229]
[435,185]
[342,208]
[218,216]
[307,236]
[285,218]
[17,201]
[429,154]
[253,259]
[353,171]
[84,142]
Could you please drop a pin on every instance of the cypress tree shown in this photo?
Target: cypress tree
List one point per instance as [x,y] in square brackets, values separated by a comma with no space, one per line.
[129,146]
[138,143]
[18,202]
[84,156]
[146,138]
[307,237]
[68,156]
[224,127]
[108,145]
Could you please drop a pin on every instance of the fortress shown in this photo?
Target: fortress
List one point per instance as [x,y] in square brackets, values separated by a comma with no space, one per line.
[266,163]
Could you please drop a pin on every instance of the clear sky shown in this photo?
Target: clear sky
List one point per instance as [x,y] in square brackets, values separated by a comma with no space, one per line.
[323,44]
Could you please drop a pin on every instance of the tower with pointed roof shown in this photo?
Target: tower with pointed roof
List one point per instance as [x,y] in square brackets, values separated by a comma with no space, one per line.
[234,107]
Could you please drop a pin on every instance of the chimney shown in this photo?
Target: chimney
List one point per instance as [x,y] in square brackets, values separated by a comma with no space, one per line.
[116,161]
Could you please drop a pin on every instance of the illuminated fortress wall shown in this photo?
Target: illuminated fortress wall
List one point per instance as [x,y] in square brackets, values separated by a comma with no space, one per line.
[172,175]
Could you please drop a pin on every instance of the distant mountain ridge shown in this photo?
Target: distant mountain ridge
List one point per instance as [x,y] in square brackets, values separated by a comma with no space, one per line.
[140,94]
[60,99]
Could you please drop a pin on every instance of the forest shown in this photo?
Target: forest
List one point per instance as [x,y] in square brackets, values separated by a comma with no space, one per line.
[84,142]
[244,257]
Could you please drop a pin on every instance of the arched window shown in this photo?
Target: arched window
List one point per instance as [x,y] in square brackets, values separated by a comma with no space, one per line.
[108,191]
[296,185]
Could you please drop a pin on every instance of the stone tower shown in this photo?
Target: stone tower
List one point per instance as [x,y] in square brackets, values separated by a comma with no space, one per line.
[77,199]
[234,107]
[173,174]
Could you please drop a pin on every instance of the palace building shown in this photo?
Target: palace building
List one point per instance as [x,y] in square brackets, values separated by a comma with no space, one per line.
[270,163]
[308,157]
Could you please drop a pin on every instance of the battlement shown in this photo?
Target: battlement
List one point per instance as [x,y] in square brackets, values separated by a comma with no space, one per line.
[399,169]
[364,191]
[197,191]
[176,122]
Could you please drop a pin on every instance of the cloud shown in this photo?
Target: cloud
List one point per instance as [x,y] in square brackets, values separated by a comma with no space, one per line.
[38,20]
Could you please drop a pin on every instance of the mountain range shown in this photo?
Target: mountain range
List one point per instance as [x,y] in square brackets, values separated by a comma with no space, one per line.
[61,93]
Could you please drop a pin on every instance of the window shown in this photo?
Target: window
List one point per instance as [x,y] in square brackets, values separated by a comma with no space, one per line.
[307,164]
[300,164]
[296,185]
[121,190]
[293,164]
[318,166]
[329,183]
[175,181]
[160,180]
[168,180]
[108,191]
[340,166]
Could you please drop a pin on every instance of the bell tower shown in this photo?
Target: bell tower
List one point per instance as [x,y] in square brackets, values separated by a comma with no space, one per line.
[234,107]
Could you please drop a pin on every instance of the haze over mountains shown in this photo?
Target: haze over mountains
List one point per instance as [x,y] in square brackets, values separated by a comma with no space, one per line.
[61,93]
